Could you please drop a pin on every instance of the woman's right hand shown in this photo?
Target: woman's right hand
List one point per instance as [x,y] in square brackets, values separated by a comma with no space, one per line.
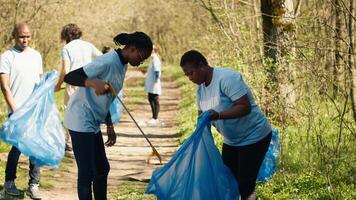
[100,87]
[214,115]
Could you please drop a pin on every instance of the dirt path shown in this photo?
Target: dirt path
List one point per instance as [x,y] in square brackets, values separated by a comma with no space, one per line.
[128,157]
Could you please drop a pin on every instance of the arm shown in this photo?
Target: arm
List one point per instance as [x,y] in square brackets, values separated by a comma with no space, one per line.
[156,76]
[110,131]
[79,78]
[64,71]
[5,88]
[241,108]
[157,67]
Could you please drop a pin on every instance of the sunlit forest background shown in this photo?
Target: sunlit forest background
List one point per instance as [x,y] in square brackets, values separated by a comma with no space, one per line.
[297,56]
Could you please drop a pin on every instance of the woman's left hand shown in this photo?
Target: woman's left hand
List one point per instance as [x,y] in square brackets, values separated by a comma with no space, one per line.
[111,136]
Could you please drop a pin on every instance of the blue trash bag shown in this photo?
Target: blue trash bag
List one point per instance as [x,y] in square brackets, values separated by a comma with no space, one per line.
[35,127]
[196,171]
[269,164]
[116,108]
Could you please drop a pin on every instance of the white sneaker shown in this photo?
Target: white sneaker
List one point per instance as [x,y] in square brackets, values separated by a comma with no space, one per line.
[11,189]
[34,191]
[153,122]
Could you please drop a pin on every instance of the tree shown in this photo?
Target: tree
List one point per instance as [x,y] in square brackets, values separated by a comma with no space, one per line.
[279,35]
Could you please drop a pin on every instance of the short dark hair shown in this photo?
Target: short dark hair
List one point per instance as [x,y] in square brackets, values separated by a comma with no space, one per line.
[70,32]
[138,39]
[15,30]
[193,57]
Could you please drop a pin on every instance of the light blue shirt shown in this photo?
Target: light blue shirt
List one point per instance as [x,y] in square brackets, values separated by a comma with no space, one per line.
[226,87]
[85,109]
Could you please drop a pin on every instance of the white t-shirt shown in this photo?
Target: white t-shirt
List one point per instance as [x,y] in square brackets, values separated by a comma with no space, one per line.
[151,84]
[24,69]
[78,53]
[86,110]
[226,87]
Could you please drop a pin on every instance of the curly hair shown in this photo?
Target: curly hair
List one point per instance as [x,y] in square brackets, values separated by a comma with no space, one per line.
[70,32]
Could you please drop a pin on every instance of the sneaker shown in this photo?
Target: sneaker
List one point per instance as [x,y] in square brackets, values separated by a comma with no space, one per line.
[34,191]
[153,122]
[10,188]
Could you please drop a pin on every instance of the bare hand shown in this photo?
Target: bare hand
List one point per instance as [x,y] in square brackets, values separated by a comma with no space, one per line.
[111,136]
[214,115]
[100,87]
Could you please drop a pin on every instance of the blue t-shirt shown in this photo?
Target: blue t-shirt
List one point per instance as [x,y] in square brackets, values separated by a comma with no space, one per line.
[226,87]
[85,109]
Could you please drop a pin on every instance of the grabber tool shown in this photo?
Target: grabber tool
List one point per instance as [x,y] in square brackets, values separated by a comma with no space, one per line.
[154,151]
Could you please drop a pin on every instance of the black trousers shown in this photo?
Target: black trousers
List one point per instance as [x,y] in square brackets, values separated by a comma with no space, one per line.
[245,162]
[92,163]
[154,102]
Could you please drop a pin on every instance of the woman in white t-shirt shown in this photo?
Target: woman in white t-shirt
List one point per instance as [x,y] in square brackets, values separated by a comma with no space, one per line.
[235,114]
[75,54]
[153,86]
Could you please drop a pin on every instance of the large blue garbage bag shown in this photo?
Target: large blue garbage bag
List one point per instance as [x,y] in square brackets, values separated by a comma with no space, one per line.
[116,108]
[35,127]
[196,171]
[269,164]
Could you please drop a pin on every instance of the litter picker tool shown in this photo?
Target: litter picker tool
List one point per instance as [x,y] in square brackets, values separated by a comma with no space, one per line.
[154,151]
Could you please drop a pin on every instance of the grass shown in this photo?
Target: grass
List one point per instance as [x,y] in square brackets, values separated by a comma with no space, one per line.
[129,190]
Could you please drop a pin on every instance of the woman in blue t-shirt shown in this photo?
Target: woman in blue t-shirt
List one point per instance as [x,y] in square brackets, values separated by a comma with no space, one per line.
[235,114]
[89,106]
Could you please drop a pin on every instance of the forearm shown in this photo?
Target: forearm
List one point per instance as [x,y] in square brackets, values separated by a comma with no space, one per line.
[241,108]
[60,80]
[108,120]
[9,98]
[77,78]
[234,112]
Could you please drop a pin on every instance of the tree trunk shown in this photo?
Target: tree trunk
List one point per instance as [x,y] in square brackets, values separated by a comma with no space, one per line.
[352,68]
[337,55]
[269,31]
[278,37]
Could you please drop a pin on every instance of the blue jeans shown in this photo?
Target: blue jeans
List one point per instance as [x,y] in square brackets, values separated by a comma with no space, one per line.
[93,165]
[11,167]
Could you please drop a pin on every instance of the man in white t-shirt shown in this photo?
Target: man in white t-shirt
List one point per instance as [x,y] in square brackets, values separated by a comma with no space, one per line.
[20,70]
[75,54]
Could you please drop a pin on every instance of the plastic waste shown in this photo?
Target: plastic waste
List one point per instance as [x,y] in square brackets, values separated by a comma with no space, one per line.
[35,127]
[196,171]
[116,108]
[269,164]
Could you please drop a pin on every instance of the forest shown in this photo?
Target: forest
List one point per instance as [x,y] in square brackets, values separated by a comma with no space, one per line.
[296,55]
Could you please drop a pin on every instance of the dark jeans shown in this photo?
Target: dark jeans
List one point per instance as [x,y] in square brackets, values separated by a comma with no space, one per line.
[11,167]
[154,102]
[92,163]
[245,162]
